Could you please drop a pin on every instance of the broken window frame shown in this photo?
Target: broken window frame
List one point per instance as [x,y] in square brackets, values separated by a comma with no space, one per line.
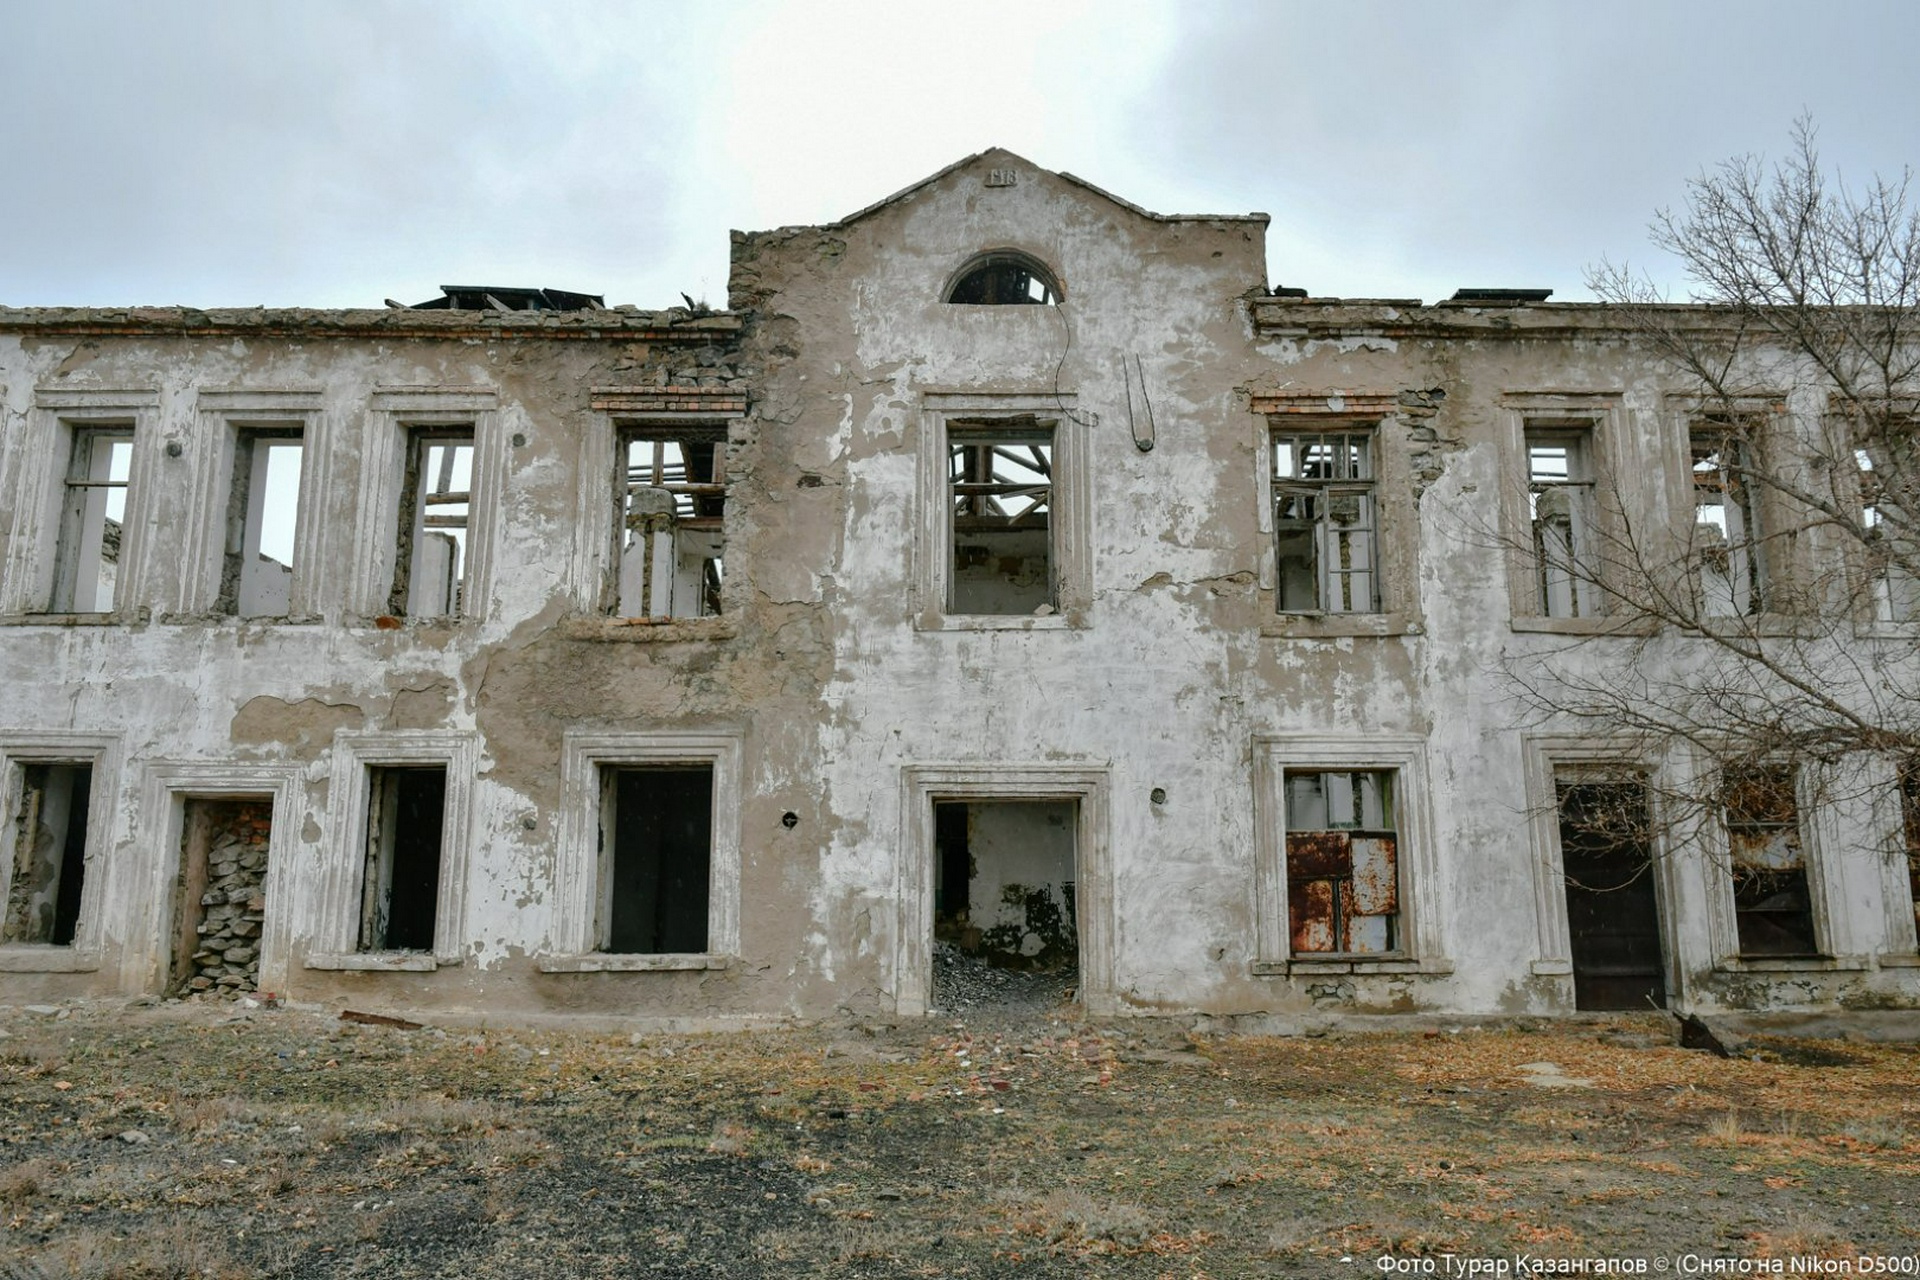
[1720,452]
[419,494]
[1760,807]
[1309,500]
[1887,530]
[1360,822]
[1070,515]
[380,860]
[645,568]
[1003,277]
[356,755]
[244,513]
[983,463]
[88,491]
[101,754]
[1419,937]
[1565,563]
[61,893]
[580,881]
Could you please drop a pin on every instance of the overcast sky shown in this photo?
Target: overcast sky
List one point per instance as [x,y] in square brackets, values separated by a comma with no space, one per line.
[243,152]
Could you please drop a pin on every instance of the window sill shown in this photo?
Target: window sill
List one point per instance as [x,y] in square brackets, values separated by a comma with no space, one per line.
[29,957]
[650,630]
[379,962]
[1876,629]
[386,623]
[1350,964]
[1792,964]
[1000,622]
[1551,968]
[68,619]
[1899,960]
[235,621]
[610,962]
[1605,626]
[1333,626]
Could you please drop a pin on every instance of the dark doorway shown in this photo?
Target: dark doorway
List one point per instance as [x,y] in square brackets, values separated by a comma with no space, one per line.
[406,812]
[657,824]
[50,853]
[1613,917]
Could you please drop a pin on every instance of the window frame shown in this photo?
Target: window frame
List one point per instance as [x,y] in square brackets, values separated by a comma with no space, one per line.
[1322,490]
[701,430]
[393,417]
[1421,947]
[28,591]
[1396,524]
[1809,823]
[102,754]
[1596,416]
[1070,516]
[578,873]
[355,754]
[222,417]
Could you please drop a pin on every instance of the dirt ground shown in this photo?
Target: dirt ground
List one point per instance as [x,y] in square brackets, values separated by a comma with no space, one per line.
[214,1141]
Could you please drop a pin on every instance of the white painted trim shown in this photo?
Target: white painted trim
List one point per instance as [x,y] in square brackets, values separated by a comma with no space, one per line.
[922,785]
[1421,917]
[577,870]
[354,751]
[1598,413]
[165,786]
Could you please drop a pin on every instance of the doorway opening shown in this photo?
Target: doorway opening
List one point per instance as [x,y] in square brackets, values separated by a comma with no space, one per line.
[1005,912]
[1613,911]
[219,895]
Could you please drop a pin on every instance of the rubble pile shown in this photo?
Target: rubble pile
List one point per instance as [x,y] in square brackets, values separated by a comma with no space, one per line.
[962,982]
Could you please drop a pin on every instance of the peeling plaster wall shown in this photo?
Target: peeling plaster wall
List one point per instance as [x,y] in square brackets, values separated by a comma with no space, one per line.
[1154,702]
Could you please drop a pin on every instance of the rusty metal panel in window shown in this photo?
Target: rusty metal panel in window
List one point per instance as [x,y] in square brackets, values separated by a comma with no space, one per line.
[1343,884]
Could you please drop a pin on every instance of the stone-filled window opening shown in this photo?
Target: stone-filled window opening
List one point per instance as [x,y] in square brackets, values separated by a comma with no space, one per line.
[220,895]
[1728,545]
[1004,278]
[671,501]
[49,852]
[406,822]
[430,558]
[1772,900]
[1343,880]
[656,857]
[1325,522]
[1000,486]
[1560,502]
[263,509]
[92,518]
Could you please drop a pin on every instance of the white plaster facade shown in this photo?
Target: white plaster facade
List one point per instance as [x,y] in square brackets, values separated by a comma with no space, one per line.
[836,696]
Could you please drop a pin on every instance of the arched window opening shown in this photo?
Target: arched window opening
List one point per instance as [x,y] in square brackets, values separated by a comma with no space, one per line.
[998,279]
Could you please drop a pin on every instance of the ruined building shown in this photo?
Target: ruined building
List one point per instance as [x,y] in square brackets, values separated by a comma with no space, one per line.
[1006,565]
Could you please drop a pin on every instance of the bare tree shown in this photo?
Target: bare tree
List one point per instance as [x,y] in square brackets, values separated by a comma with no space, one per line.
[1771,607]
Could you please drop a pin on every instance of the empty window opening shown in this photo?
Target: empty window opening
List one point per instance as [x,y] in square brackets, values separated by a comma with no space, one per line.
[430,560]
[1772,903]
[406,816]
[1560,504]
[1343,879]
[656,858]
[1730,568]
[256,576]
[1000,483]
[92,520]
[1613,916]
[49,852]
[672,509]
[1001,279]
[1325,531]
[1004,901]
[220,896]
[1893,560]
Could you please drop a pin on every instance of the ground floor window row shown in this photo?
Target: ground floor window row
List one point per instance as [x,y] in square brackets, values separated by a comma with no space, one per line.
[650,854]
